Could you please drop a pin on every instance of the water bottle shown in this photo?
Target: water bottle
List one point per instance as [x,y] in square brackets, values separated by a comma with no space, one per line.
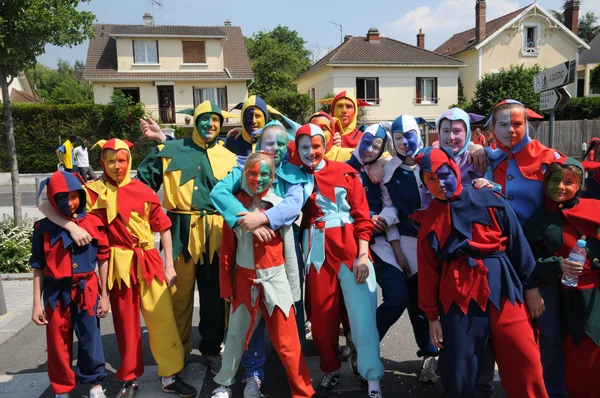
[578,255]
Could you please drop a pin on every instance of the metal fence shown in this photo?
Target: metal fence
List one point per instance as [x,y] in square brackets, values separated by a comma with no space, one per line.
[569,135]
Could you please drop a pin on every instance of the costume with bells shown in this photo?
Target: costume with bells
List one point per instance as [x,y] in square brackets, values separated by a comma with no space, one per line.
[132,213]
[71,289]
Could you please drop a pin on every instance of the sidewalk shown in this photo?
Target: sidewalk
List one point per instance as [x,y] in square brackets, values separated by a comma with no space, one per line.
[19,299]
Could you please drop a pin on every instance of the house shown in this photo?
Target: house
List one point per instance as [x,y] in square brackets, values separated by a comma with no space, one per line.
[528,36]
[588,60]
[394,77]
[21,90]
[169,68]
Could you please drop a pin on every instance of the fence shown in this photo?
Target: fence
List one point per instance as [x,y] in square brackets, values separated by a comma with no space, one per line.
[568,134]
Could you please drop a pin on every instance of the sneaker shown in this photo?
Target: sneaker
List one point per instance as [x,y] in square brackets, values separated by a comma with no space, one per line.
[428,373]
[212,362]
[129,389]
[252,389]
[222,392]
[180,387]
[375,394]
[97,393]
[327,384]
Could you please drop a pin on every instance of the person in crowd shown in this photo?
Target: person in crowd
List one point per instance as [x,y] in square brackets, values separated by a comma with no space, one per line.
[73,298]
[255,114]
[188,169]
[477,277]
[337,229]
[591,163]
[344,107]
[552,231]
[66,156]
[261,280]
[83,162]
[478,138]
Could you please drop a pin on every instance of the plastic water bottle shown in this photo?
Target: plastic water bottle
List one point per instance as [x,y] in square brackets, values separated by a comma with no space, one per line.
[578,255]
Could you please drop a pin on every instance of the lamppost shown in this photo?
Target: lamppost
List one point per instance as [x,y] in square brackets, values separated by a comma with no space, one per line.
[340,28]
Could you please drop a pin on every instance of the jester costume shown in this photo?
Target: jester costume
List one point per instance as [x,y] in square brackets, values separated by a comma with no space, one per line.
[255,114]
[552,232]
[350,132]
[474,263]
[188,169]
[591,188]
[131,213]
[71,289]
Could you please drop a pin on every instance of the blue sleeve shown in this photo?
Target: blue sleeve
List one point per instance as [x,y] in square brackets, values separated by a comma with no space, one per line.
[38,258]
[62,149]
[286,212]
[222,197]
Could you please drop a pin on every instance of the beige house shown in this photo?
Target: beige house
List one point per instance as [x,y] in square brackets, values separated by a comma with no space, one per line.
[169,68]
[21,90]
[394,77]
[588,60]
[528,36]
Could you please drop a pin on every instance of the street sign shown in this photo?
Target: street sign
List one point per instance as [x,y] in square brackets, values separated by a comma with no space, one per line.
[549,99]
[565,96]
[558,76]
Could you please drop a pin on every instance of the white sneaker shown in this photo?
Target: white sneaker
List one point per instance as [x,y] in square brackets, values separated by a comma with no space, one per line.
[97,393]
[428,373]
[222,392]
[252,389]
[375,394]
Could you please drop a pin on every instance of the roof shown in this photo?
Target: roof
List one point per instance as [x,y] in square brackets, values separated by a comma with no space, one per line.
[356,50]
[466,40]
[591,56]
[101,63]
[22,96]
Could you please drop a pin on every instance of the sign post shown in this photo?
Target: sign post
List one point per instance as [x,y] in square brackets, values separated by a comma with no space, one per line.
[549,84]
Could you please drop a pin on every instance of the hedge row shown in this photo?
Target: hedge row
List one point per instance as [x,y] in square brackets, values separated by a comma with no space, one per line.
[580,108]
[39,129]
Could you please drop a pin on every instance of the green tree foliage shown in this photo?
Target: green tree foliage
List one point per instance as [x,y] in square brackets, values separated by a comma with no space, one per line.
[595,79]
[123,119]
[62,85]
[515,82]
[587,27]
[295,106]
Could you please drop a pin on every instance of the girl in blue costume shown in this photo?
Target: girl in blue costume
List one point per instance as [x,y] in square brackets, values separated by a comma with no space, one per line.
[402,192]
[288,184]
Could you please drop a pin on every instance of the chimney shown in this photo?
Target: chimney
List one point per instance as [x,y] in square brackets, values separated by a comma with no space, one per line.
[227,22]
[148,20]
[572,15]
[480,21]
[373,35]
[421,39]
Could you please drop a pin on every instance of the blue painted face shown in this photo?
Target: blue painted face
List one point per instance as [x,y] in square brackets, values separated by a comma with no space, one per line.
[253,119]
[406,143]
[448,181]
[370,148]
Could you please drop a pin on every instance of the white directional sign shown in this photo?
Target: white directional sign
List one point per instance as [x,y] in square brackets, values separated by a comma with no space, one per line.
[558,76]
[548,100]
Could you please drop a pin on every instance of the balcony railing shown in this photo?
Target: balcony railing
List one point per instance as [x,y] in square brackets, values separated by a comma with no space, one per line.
[170,116]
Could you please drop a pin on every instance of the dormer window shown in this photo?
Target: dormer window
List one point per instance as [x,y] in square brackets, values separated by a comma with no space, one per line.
[193,52]
[145,51]
[531,40]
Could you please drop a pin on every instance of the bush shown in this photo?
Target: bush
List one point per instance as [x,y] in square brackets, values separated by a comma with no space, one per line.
[297,107]
[15,245]
[580,108]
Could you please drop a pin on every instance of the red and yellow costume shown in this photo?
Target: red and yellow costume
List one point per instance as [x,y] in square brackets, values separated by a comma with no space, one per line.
[350,133]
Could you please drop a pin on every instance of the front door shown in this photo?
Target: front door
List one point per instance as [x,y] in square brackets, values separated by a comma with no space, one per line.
[166,103]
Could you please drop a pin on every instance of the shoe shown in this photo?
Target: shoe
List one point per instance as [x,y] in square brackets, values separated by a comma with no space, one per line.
[327,384]
[222,392]
[375,394]
[129,389]
[99,393]
[307,330]
[180,387]
[252,389]
[212,362]
[428,373]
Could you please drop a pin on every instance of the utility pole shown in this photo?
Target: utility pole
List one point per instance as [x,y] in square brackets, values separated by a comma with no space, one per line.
[341,31]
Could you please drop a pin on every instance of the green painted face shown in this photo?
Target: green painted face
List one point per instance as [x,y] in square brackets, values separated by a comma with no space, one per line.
[258,178]
[208,125]
[274,142]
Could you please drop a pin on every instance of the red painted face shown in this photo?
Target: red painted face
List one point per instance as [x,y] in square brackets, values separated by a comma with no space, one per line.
[509,127]
[310,150]
[116,164]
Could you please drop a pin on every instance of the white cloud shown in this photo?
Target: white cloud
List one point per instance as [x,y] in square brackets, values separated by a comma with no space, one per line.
[439,23]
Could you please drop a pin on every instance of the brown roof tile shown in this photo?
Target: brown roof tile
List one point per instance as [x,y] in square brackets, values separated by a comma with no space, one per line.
[101,60]
[386,51]
[466,40]
[168,30]
[21,96]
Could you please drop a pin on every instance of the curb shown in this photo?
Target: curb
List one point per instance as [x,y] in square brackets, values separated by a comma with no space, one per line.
[17,277]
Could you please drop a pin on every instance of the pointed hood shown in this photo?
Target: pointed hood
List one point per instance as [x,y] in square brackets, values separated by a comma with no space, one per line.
[203,108]
[64,182]
[340,96]
[258,102]
[405,123]
[373,131]
[454,114]
[432,158]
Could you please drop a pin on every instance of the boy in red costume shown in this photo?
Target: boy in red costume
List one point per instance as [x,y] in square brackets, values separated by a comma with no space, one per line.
[65,273]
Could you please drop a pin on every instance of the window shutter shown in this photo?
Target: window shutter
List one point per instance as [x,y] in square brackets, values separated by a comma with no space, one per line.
[419,91]
[193,52]
[435,90]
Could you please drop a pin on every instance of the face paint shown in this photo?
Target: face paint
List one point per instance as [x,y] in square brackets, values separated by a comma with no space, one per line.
[325,124]
[344,110]
[510,126]
[259,177]
[254,119]
[310,150]
[406,144]
[562,185]
[208,125]
[453,134]
[116,164]
[274,142]
[369,148]
[442,184]
[67,202]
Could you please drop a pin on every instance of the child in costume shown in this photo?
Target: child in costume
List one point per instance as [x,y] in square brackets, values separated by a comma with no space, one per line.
[475,263]
[403,194]
[591,163]
[332,127]
[345,108]
[65,273]
[188,169]
[266,284]
[553,231]
[337,229]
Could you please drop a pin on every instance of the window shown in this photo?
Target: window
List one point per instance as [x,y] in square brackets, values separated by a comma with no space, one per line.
[367,89]
[215,95]
[530,40]
[131,92]
[427,90]
[193,52]
[145,52]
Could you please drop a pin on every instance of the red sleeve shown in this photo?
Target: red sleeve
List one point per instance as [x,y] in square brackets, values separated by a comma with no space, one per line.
[429,280]
[227,261]
[159,221]
[102,237]
[359,208]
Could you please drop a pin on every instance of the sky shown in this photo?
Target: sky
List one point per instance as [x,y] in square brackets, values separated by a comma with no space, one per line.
[398,19]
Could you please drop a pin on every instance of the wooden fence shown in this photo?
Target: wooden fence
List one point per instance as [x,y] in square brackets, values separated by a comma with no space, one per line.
[568,134]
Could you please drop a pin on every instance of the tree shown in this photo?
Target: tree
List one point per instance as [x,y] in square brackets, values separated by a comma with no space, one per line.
[587,27]
[595,79]
[515,83]
[295,106]
[62,85]
[26,27]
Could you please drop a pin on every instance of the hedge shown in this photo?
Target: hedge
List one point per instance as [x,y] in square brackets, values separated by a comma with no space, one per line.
[580,108]
[40,129]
